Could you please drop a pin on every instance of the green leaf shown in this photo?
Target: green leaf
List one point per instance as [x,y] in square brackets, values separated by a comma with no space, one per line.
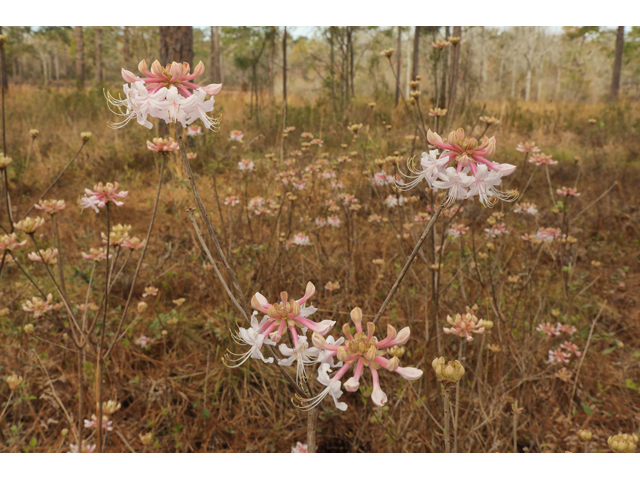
[586,408]
[609,350]
[205,413]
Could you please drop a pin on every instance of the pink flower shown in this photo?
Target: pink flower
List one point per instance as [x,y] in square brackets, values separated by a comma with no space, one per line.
[375,218]
[496,230]
[142,341]
[566,328]
[359,350]
[317,142]
[236,136]
[456,230]
[38,306]
[527,147]
[526,207]
[381,178]
[334,221]
[306,135]
[101,195]
[150,291]
[49,255]
[301,240]
[558,356]
[542,159]
[51,206]
[231,200]
[464,325]
[246,165]
[567,192]
[194,131]
[96,254]
[93,423]
[84,448]
[547,329]
[133,243]
[571,347]
[10,242]
[162,145]
[321,222]
[299,448]
[548,234]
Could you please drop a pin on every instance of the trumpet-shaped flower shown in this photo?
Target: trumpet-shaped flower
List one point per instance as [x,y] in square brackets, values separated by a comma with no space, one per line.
[10,242]
[38,306]
[49,256]
[162,145]
[360,350]
[527,147]
[464,325]
[101,195]
[51,206]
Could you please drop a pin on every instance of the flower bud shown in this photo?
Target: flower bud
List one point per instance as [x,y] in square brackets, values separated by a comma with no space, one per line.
[64,432]
[4,312]
[146,439]
[34,133]
[110,407]
[622,443]
[319,341]
[86,136]
[4,161]
[488,324]
[342,354]
[142,306]
[356,316]
[451,372]
[393,364]
[371,353]
[14,381]
[28,329]
[164,333]
[585,435]
[397,351]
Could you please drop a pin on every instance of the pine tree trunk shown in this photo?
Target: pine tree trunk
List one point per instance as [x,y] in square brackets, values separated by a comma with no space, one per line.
[216,74]
[617,65]
[126,50]
[98,32]
[3,67]
[455,61]
[352,70]
[272,56]
[56,59]
[445,72]
[79,57]
[416,53]
[284,73]
[398,64]
[176,45]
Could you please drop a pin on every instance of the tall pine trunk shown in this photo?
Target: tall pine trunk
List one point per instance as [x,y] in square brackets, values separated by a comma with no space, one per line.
[176,45]
[617,65]
[284,74]
[416,54]
[398,64]
[126,48]
[79,57]
[98,39]
[455,61]
[216,70]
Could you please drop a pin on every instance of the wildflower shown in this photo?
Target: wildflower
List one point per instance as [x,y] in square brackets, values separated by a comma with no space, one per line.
[333,221]
[101,195]
[585,435]
[133,243]
[447,373]
[118,236]
[456,230]
[167,93]
[526,207]
[142,341]
[246,165]
[571,347]
[489,120]
[236,136]
[278,316]
[10,242]
[84,448]
[317,142]
[146,439]
[150,291]
[111,406]
[496,230]
[344,159]
[231,200]
[331,286]
[548,329]
[558,356]
[355,128]
[540,159]
[162,145]
[38,306]
[374,218]
[565,328]
[179,301]
[142,306]
[194,131]
[437,112]
[51,206]
[527,147]
[299,447]
[381,178]
[623,443]
[321,222]
[302,354]
[361,350]
[464,325]
[387,53]
[14,381]
[49,256]
[563,375]
[440,44]
[96,254]
[393,201]
[4,161]
[29,329]
[93,423]
[548,234]
[29,225]
[301,240]
[306,135]
[567,192]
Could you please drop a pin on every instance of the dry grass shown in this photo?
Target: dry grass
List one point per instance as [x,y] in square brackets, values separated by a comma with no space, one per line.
[178,387]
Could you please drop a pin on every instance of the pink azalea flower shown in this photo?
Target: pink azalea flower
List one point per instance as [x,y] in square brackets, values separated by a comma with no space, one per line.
[526,207]
[301,240]
[236,135]
[142,341]
[567,192]
[231,200]
[571,347]
[496,230]
[101,195]
[558,356]
[246,165]
[464,325]
[566,328]
[150,291]
[359,350]
[334,221]
[49,256]
[38,306]
[321,222]
[548,234]
[84,448]
[548,329]
[162,145]
[542,159]
[527,147]
[93,423]
[132,243]
[299,448]
[96,254]
[456,230]
[51,206]
[194,131]
[10,242]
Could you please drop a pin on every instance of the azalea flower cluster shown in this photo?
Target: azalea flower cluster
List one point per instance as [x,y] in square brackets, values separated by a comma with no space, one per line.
[101,195]
[167,93]
[462,170]
[357,350]
[464,325]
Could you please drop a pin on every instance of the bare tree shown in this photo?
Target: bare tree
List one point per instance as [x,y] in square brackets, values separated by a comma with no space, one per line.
[176,45]
[216,71]
[79,57]
[284,74]
[455,60]
[416,54]
[98,40]
[126,49]
[398,64]
[617,65]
